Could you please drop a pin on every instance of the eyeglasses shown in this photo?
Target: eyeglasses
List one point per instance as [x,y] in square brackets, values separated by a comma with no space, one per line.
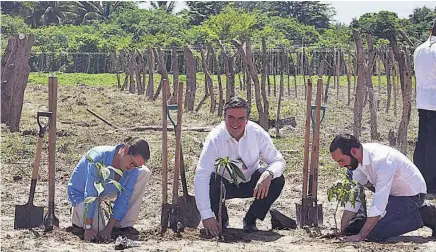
[132,162]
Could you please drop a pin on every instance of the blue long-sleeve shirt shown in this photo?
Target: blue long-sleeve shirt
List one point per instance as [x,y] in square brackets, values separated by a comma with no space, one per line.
[81,184]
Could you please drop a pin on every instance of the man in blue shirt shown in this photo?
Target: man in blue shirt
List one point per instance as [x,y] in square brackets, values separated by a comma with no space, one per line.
[130,159]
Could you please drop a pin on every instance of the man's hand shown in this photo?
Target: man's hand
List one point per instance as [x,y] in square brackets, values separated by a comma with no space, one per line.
[106,234]
[211,226]
[353,238]
[262,186]
[90,235]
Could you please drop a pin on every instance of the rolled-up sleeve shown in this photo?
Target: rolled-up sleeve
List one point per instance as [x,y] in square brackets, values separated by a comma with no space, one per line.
[271,156]
[383,186]
[202,178]
[121,204]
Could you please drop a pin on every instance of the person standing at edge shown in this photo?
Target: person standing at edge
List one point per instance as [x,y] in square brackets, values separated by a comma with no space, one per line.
[238,138]
[424,156]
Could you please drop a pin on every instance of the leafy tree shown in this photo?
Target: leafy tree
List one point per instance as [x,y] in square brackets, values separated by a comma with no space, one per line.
[306,12]
[338,35]
[167,6]
[199,11]
[421,20]
[49,12]
[12,24]
[378,24]
[100,10]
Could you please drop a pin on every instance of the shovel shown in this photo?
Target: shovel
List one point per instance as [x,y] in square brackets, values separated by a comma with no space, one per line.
[189,216]
[29,215]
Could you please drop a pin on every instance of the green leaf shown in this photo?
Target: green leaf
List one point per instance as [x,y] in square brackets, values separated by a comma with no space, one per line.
[99,187]
[105,172]
[90,199]
[116,184]
[238,172]
[118,171]
[89,159]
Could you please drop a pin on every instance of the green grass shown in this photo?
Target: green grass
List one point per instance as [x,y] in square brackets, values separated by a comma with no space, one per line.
[110,79]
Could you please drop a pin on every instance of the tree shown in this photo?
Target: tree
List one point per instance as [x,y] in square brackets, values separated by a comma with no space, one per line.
[167,6]
[49,12]
[306,12]
[199,11]
[100,10]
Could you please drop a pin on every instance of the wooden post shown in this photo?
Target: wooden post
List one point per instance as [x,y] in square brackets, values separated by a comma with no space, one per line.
[164,213]
[51,219]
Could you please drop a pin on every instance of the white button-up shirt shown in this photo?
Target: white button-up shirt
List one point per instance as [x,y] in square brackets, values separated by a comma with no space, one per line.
[255,143]
[425,71]
[390,172]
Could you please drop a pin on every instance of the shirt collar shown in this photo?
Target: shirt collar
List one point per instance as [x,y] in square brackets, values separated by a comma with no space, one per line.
[227,134]
[365,156]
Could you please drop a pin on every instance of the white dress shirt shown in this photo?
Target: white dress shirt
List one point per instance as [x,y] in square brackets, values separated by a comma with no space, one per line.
[425,71]
[255,143]
[390,172]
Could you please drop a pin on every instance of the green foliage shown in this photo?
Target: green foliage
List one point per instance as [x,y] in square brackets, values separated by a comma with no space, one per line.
[380,24]
[103,173]
[343,192]
[232,168]
[199,11]
[337,36]
[11,25]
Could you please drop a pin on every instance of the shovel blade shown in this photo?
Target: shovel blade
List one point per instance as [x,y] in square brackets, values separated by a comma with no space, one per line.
[28,216]
[188,214]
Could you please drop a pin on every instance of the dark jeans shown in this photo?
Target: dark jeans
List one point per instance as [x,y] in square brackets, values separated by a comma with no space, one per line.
[402,216]
[424,156]
[258,208]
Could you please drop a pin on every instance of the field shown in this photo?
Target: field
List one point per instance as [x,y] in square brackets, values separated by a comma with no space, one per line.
[78,130]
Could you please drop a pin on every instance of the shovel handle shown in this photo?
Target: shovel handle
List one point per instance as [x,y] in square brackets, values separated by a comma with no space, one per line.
[178,143]
[307,138]
[43,127]
[183,174]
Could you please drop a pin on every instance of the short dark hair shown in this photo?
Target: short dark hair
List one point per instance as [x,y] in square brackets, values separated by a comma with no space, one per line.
[237,102]
[138,146]
[345,142]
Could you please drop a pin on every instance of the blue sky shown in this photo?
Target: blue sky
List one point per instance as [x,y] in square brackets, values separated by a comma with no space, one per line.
[347,10]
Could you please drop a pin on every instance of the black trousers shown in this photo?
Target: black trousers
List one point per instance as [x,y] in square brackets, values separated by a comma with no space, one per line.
[259,208]
[424,156]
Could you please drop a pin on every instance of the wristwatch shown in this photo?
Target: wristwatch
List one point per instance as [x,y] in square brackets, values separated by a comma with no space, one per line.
[271,173]
[88,226]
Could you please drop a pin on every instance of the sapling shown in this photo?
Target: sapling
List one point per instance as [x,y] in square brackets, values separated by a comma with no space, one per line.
[232,168]
[345,191]
[103,173]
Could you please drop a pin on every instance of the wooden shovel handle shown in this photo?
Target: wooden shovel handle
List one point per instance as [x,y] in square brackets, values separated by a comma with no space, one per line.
[307,137]
[178,142]
[315,143]
[164,143]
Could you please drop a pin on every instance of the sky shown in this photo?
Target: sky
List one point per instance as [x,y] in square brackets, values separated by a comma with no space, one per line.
[347,10]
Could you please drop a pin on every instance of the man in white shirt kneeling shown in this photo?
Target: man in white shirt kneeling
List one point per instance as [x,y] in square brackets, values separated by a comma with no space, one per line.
[398,204]
[238,138]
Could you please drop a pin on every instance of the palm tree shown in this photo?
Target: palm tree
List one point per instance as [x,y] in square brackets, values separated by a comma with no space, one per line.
[167,6]
[49,12]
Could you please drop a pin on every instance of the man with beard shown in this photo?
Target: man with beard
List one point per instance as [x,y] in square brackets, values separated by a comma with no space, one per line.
[398,204]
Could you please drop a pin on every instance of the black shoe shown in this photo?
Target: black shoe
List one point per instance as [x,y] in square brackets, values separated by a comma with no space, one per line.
[249,226]
[125,231]
[428,215]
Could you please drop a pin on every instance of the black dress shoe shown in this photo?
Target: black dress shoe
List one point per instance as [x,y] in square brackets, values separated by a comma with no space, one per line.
[428,215]
[249,226]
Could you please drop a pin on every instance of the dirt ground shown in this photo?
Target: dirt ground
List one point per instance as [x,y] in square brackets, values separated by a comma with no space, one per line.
[78,130]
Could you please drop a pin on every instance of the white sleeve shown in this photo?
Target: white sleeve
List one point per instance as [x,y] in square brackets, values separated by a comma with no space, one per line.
[202,178]
[270,155]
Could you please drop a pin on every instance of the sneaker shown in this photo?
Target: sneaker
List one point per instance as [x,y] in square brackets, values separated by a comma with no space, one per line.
[122,242]
[428,215]
[249,227]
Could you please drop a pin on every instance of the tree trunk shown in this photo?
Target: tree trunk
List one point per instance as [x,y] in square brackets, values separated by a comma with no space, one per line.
[117,69]
[241,51]
[220,85]
[348,67]
[387,63]
[164,73]
[131,69]
[175,67]
[230,73]
[274,72]
[263,119]
[368,70]
[263,114]
[209,83]
[281,89]
[14,75]
[191,86]
[406,88]
[358,102]
[150,66]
